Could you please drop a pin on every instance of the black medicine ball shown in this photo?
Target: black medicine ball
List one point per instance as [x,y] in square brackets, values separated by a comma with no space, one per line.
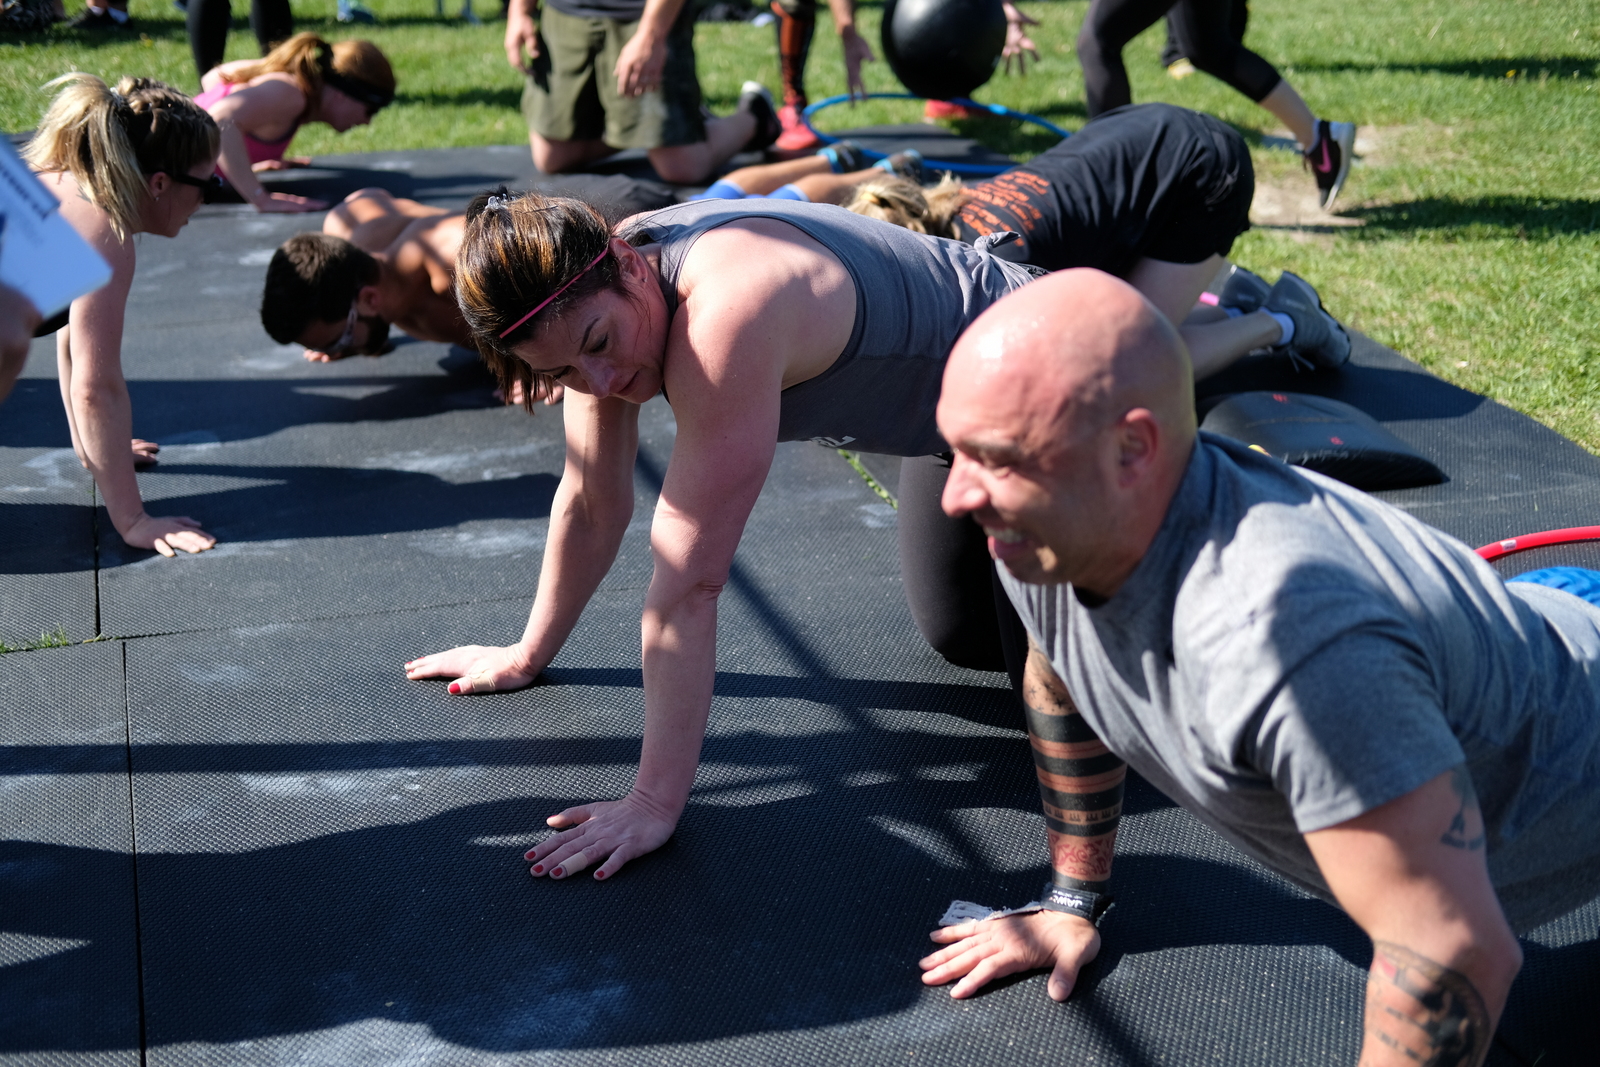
[942,49]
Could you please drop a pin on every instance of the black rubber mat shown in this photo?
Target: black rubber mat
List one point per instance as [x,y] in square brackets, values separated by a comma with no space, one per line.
[69,982]
[329,862]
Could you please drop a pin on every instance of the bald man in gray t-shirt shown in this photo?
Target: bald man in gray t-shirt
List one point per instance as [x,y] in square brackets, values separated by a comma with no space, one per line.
[1328,682]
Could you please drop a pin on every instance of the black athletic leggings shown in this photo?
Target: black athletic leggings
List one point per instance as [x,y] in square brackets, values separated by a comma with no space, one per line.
[956,599]
[208,28]
[1202,30]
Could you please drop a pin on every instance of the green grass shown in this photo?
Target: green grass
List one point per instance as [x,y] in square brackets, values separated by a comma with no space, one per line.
[56,638]
[1478,252]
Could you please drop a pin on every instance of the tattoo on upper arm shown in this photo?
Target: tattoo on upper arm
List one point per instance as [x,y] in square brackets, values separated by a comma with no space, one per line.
[1467,817]
[1429,1013]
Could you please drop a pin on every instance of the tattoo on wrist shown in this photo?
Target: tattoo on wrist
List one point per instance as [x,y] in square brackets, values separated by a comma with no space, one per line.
[1468,819]
[1427,1012]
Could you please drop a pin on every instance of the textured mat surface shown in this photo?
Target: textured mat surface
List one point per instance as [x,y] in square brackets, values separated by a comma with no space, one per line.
[69,983]
[329,865]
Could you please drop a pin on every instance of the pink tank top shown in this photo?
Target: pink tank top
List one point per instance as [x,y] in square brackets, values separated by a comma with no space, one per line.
[259,150]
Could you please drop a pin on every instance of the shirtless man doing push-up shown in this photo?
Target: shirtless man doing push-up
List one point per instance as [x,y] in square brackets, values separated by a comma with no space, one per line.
[379,259]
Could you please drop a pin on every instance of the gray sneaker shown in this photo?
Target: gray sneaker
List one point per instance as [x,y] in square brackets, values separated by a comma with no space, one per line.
[1245,290]
[1318,336]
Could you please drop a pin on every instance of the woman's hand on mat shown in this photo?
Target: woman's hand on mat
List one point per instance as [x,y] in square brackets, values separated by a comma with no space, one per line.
[1018,43]
[476,669]
[167,535]
[144,452]
[286,163]
[553,397]
[288,204]
[613,831]
[980,952]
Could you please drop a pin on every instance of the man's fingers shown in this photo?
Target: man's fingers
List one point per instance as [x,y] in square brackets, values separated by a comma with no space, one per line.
[997,965]
[165,549]
[969,956]
[1062,979]
[947,934]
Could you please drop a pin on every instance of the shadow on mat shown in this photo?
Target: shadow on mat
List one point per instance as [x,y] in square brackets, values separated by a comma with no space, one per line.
[1521,216]
[237,410]
[751,922]
[1388,394]
[333,183]
[312,502]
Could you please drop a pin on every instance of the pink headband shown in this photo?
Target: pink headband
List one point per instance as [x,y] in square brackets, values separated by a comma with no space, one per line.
[558,292]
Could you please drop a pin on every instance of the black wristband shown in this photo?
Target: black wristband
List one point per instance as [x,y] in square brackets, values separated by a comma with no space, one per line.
[1090,906]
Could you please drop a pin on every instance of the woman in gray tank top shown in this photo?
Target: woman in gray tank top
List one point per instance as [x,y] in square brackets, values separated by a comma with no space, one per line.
[753,320]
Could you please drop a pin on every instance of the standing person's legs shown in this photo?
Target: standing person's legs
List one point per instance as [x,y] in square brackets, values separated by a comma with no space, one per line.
[272,22]
[946,570]
[688,147]
[207,21]
[561,97]
[1107,28]
[797,23]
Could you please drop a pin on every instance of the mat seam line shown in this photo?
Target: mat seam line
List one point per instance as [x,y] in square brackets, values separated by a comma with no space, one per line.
[133,837]
[315,618]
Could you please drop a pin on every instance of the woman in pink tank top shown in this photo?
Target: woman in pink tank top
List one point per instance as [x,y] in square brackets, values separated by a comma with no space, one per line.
[259,105]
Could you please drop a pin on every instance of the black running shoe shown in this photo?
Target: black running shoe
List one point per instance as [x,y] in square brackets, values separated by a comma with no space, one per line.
[1329,158]
[754,98]
[1318,336]
[845,157]
[1244,289]
[907,164]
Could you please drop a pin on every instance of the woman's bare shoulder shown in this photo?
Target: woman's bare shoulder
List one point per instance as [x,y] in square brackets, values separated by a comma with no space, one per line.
[91,222]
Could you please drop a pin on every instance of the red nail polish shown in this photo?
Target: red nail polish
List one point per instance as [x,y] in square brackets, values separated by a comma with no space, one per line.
[557,873]
[455,688]
[538,868]
[599,875]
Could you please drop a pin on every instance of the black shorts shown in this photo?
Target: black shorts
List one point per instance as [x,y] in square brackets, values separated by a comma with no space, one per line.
[1148,180]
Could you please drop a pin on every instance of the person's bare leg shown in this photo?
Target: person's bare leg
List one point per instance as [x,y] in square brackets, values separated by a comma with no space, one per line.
[1292,111]
[688,164]
[834,188]
[1174,288]
[763,178]
[557,157]
[1215,345]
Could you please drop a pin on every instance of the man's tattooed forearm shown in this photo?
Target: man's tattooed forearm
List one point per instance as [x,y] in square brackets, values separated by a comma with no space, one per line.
[1429,1013]
[1468,818]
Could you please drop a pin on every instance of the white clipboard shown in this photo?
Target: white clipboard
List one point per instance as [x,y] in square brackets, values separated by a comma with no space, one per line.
[40,253]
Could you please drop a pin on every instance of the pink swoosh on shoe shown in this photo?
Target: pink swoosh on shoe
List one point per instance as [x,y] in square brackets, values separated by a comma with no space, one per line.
[1327,160]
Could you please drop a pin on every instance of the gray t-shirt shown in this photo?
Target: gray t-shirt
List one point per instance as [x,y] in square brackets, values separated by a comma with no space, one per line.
[621,10]
[1291,653]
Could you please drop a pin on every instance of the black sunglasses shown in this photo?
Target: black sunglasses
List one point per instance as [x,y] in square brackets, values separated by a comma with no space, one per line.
[211,188]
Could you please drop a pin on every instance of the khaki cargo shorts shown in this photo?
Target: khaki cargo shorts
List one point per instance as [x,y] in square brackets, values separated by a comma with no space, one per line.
[571,91]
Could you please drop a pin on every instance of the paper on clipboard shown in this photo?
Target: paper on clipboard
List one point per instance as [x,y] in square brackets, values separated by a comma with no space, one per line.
[40,253]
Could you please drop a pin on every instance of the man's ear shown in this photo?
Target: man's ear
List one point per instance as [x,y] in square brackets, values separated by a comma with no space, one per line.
[367,301]
[1138,446]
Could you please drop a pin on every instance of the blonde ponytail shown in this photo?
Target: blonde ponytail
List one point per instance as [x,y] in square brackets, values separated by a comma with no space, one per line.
[902,202]
[111,140]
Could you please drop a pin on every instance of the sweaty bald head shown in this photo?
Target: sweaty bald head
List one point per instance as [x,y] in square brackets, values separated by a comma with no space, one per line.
[1066,356]
[1070,401]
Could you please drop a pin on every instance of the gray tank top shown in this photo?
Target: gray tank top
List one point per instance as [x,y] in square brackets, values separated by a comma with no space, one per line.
[914,296]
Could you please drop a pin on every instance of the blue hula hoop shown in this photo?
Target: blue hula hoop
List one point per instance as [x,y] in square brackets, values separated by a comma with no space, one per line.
[954,166]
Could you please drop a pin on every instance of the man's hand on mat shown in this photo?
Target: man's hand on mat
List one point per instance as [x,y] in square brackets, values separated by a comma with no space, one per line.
[144,452]
[993,948]
[288,204]
[168,535]
[476,669]
[615,831]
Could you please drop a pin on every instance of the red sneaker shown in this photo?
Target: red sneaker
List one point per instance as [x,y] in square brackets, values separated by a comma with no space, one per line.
[796,135]
[944,109]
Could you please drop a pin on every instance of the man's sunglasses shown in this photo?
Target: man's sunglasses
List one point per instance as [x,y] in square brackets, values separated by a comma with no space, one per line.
[211,188]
